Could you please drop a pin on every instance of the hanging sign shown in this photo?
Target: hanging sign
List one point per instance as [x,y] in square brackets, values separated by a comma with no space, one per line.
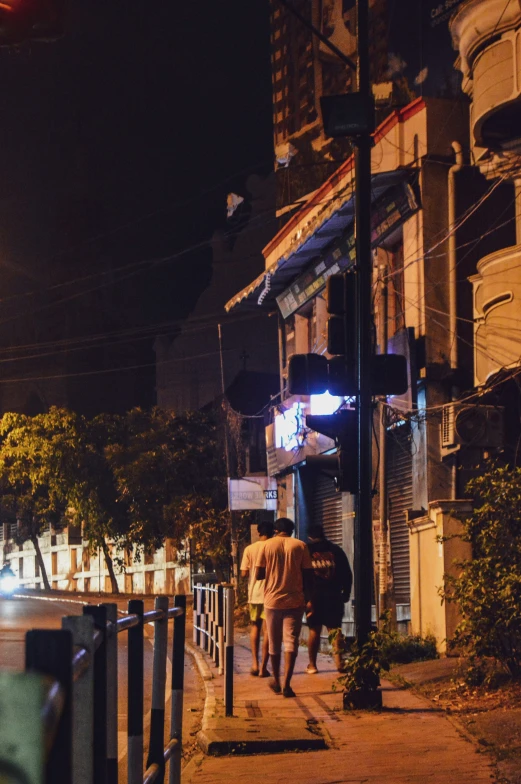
[390,210]
[252,492]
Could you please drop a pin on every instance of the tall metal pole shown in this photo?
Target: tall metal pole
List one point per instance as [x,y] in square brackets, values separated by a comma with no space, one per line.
[233,538]
[382,435]
[363,522]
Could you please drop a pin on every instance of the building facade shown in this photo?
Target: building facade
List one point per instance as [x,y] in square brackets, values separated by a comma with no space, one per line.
[433,215]
[445,275]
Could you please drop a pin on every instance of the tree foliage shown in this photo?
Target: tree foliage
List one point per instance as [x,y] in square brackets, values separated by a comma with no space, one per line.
[170,474]
[488,590]
[36,454]
[132,480]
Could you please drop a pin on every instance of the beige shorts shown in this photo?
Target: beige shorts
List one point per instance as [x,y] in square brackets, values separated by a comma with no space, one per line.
[283,626]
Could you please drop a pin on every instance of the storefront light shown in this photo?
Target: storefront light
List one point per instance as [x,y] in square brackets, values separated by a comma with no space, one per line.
[325,404]
[289,427]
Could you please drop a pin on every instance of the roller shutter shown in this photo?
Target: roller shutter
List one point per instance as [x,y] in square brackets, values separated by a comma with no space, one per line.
[327,508]
[399,488]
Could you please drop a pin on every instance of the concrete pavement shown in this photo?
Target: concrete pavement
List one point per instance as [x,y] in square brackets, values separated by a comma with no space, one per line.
[408,741]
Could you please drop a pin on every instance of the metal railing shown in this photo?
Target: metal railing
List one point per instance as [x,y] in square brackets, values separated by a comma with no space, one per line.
[214,607]
[59,718]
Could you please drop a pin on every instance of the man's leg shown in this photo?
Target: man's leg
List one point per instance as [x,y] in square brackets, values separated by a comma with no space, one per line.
[338,646]
[290,657]
[265,651]
[292,625]
[313,645]
[254,644]
[274,628]
[275,666]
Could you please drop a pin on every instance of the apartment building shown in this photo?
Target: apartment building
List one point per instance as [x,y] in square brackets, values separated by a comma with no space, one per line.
[433,218]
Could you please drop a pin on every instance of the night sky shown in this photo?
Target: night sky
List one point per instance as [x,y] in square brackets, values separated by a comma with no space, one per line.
[118,144]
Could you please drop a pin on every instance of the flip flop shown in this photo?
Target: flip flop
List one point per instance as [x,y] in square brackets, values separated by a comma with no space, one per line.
[253,671]
[265,674]
[275,687]
[287,691]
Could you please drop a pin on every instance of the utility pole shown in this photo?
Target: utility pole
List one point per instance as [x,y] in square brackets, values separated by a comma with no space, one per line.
[234,550]
[352,115]
[363,572]
[383,577]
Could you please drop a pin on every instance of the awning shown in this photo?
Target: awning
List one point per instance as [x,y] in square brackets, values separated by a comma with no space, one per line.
[263,291]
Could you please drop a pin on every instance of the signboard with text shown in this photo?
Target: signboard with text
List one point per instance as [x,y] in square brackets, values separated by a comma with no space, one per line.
[252,492]
[390,210]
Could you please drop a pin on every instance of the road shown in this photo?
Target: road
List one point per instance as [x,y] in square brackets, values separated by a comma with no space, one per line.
[20,614]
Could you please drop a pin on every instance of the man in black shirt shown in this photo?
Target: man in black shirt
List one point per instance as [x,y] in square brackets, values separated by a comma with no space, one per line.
[332,588]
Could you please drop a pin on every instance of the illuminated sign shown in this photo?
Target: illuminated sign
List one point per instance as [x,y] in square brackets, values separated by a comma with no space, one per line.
[289,428]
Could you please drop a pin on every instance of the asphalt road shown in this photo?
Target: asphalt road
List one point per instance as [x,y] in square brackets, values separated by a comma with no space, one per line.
[20,614]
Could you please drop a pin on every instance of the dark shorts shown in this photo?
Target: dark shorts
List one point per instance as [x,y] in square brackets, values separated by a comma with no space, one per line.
[327,611]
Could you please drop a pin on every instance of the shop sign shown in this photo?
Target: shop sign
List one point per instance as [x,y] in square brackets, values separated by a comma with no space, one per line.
[390,210]
[252,492]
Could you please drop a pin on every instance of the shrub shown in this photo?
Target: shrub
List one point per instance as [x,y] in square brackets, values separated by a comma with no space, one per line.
[363,667]
[384,647]
[400,649]
[488,589]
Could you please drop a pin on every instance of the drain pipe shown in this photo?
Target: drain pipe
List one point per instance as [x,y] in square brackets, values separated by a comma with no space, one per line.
[453,326]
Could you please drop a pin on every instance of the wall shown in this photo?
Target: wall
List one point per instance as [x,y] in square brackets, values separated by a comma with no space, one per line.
[70,567]
[430,559]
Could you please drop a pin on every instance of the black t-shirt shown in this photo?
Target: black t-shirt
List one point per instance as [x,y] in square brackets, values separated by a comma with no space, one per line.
[333,576]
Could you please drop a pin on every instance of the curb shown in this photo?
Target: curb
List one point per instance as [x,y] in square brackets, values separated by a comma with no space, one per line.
[220,736]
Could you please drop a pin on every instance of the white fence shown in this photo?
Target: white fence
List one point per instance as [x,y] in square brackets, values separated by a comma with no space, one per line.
[71,567]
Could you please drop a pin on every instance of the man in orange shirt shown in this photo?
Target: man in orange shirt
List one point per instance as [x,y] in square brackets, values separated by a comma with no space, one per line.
[286,566]
[256,600]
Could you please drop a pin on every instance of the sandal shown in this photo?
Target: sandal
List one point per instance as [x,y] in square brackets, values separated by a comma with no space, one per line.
[287,691]
[311,670]
[253,671]
[275,687]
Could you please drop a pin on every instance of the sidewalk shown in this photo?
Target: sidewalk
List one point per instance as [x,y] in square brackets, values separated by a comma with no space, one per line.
[409,741]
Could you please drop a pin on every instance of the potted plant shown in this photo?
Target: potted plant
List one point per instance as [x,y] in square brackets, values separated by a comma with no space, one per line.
[361,674]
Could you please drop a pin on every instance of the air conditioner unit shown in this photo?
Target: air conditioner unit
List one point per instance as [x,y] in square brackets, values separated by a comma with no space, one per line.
[271,452]
[471,425]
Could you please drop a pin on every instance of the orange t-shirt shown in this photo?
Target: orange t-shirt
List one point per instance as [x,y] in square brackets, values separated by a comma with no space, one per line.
[284,558]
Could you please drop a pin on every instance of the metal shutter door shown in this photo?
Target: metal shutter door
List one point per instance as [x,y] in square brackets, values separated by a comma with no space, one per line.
[327,508]
[399,488]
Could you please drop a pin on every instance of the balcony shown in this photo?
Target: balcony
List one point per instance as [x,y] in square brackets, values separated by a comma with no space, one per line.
[497,313]
[488,37]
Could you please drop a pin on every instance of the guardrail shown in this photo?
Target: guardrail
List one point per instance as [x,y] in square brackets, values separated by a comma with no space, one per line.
[214,607]
[59,718]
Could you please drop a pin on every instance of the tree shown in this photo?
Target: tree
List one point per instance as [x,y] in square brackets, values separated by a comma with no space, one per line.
[54,471]
[488,590]
[91,488]
[170,473]
[33,454]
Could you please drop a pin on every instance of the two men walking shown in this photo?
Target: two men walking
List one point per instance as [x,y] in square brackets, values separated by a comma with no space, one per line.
[288,578]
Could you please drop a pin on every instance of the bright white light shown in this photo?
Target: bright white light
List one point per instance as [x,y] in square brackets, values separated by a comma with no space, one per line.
[325,404]
[8,584]
[288,427]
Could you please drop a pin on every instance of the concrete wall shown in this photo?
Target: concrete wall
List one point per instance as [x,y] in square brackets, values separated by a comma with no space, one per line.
[430,560]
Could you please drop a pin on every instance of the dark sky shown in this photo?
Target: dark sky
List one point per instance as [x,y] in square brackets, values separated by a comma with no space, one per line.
[119,143]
